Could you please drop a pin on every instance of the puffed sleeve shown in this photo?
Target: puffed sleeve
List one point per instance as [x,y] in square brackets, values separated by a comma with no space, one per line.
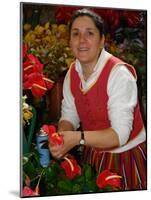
[68,108]
[122,92]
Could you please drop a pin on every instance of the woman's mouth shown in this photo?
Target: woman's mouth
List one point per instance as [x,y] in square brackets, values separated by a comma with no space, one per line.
[83,49]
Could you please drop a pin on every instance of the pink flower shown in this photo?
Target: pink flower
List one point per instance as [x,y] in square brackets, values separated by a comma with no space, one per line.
[27,191]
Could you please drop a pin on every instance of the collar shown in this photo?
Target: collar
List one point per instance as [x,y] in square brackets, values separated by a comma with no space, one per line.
[104,55]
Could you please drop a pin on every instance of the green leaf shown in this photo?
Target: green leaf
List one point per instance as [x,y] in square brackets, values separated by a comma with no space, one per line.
[65,186]
[88,173]
[79,180]
[91,186]
[29,169]
[76,188]
[50,173]
[25,160]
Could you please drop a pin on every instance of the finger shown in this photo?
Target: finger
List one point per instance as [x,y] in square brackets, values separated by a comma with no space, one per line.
[57,155]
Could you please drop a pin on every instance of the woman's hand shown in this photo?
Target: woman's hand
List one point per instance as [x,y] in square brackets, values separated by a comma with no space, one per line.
[71,139]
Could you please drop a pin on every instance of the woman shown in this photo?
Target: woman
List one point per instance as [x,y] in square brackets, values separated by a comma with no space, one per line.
[100,97]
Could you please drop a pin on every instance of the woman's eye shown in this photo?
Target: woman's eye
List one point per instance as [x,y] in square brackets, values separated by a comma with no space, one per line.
[74,34]
[90,33]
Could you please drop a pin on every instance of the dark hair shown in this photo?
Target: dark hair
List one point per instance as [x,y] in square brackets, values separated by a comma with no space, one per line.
[98,21]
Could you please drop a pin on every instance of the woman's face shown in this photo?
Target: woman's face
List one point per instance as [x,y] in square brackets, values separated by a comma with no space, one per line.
[85,40]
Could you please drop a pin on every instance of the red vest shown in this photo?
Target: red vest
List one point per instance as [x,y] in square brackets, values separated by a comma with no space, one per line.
[92,105]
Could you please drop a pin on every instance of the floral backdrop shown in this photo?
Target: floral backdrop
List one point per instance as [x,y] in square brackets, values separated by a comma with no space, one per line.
[46,57]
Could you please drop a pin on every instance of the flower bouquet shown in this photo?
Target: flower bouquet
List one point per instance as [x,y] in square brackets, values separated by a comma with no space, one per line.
[65,176]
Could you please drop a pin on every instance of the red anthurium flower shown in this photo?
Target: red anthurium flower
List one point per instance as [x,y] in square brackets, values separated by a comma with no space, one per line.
[56,138]
[36,83]
[38,90]
[38,66]
[45,128]
[71,167]
[53,136]
[52,129]
[27,191]
[49,83]
[28,68]
[49,129]
[32,65]
[108,178]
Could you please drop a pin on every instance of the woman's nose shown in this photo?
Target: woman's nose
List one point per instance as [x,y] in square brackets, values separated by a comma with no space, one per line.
[82,37]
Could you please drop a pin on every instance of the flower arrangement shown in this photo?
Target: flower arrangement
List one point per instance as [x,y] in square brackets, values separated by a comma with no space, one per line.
[65,176]
[33,77]
[46,57]
[49,43]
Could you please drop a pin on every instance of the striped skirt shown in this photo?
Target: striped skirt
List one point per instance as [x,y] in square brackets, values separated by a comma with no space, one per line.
[131,165]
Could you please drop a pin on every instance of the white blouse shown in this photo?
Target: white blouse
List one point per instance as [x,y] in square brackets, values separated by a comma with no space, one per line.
[122,92]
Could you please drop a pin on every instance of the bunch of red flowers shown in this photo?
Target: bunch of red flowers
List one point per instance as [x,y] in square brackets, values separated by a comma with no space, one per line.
[33,77]
[72,168]
[69,164]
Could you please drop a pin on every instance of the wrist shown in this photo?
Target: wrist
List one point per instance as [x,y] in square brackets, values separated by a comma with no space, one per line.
[82,139]
[78,137]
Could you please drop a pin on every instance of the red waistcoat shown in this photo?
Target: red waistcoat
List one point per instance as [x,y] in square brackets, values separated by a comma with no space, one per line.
[92,105]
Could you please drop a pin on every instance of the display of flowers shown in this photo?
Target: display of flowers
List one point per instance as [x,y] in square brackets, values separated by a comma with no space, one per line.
[33,76]
[49,43]
[47,57]
[65,176]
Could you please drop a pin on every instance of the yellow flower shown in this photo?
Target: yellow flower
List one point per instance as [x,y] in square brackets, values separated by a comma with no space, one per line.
[47,39]
[47,26]
[30,37]
[39,30]
[54,28]
[63,41]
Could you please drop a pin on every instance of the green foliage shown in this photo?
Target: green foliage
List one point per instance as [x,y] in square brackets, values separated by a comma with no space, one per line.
[53,179]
